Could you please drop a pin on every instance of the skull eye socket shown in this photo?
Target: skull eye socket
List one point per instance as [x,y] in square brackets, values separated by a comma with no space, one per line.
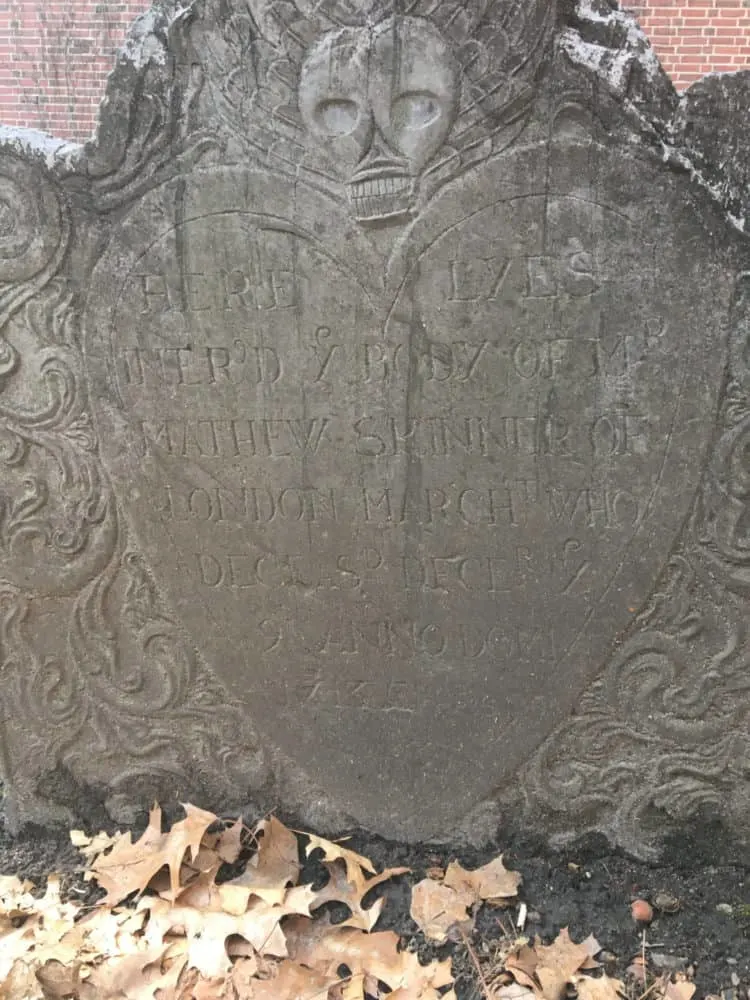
[415,110]
[337,117]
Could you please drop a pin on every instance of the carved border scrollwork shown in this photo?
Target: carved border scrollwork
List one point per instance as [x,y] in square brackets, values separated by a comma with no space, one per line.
[34,235]
[721,523]
[117,698]
[665,732]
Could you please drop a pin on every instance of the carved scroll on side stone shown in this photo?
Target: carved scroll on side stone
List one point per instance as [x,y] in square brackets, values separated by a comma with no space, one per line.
[103,699]
[664,734]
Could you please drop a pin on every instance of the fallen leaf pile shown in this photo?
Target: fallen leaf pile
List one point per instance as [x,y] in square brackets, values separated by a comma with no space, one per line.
[185,936]
[444,906]
[532,970]
[546,971]
[213,910]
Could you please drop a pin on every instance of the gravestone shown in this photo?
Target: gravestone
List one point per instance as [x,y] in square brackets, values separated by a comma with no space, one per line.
[374,406]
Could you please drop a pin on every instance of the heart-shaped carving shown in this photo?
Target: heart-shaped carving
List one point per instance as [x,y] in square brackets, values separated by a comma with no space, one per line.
[405,492]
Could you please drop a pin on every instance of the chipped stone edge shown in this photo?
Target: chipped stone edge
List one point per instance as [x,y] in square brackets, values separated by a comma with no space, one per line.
[613,67]
[140,48]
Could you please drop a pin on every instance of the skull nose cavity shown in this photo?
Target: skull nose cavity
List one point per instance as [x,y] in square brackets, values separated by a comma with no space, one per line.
[379,154]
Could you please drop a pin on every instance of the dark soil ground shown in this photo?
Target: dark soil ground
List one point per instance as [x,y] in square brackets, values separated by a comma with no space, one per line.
[588,889]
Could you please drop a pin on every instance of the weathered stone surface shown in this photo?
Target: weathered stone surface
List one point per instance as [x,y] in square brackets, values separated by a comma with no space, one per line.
[712,125]
[368,437]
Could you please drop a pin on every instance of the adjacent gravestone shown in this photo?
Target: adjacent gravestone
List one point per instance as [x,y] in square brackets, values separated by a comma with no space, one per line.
[358,384]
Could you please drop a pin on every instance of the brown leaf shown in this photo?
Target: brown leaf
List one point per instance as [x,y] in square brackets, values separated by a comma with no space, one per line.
[276,864]
[59,981]
[48,933]
[126,977]
[292,981]
[130,867]
[549,968]
[602,988]
[229,842]
[91,846]
[354,862]
[316,944]
[20,983]
[564,953]
[207,931]
[513,991]
[593,948]
[522,964]
[341,889]
[678,991]
[438,909]
[243,977]
[493,881]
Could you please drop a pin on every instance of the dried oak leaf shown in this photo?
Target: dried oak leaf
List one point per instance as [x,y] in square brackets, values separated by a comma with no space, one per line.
[439,910]
[275,866]
[341,888]
[291,981]
[492,882]
[229,842]
[105,934]
[331,852]
[677,991]
[49,933]
[208,930]
[20,983]
[91,846]
[318,945]
[234,898]
[603,988]
[59,981]
[125,977]
[129,867]
[193,986]
[522,964]
[547,969]
[513,991]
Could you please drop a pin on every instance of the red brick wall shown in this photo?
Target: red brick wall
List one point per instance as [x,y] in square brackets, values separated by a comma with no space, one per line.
[695,37]
[55,54]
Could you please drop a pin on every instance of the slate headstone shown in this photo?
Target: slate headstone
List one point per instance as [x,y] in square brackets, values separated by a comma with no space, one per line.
[365,404]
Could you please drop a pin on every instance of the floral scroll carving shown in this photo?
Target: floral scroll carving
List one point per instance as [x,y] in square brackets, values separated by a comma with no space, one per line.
[120,704]
[665,732]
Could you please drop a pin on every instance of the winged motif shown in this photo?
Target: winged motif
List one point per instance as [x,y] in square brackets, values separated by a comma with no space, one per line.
[379,103]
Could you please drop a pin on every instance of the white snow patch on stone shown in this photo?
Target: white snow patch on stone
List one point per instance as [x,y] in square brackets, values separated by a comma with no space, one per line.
[142,45]
[31,142]
[637,42]
[675,156]
[607,63]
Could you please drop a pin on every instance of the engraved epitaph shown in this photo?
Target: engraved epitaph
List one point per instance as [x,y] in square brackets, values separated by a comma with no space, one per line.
[396,377]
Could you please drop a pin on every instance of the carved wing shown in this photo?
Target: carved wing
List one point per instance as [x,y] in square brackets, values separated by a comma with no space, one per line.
[252,52]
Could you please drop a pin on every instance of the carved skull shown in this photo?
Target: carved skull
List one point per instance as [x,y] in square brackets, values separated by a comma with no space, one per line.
[379,103]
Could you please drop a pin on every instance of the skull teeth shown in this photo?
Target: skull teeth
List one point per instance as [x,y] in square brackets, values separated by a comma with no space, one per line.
[375,186]
[381,197]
